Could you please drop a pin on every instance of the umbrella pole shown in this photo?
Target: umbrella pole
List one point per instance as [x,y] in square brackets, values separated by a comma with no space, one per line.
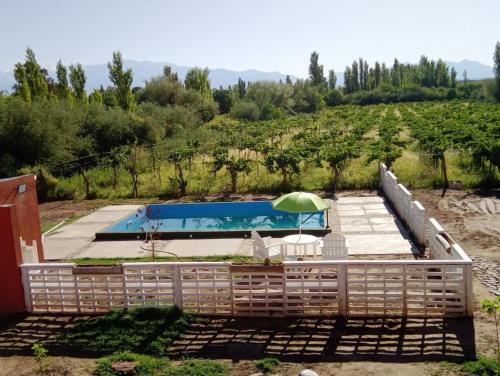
[300,224]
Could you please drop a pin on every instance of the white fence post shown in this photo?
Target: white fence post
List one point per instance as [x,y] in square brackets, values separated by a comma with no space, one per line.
[26,288]
[177,286]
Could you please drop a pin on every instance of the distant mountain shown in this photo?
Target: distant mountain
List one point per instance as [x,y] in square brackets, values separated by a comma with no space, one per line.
[97,75]
[475,70]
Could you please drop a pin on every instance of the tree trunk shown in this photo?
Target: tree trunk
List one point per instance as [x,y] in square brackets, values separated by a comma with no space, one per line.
[234,181]
[115,176]
[336,178]
[444,174]
[284,182]
[86,184]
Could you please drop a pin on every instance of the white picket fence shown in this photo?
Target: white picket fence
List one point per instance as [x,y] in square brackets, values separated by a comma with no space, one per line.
[295,288]
[412,213]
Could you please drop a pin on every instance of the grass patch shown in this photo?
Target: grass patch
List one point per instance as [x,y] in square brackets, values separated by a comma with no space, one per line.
[483,366]
[144,330]
[145,365]
[118,260]
[46,226]
[199,367]
[267,365]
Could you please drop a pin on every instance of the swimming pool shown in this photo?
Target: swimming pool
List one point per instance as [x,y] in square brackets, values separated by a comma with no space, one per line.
[212,220]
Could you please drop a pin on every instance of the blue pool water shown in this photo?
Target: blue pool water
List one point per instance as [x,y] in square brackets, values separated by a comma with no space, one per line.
[220,216]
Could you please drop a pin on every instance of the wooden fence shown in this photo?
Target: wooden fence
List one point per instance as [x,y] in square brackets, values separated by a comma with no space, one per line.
[294,288]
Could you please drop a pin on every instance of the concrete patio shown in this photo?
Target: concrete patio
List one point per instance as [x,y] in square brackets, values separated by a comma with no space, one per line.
[370,226]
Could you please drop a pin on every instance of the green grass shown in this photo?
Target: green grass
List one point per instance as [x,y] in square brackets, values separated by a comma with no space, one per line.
[199,367]
[145,330]
[46,226]
[267,365]
[150,366]
[145,365]
[118,260]
[483,366]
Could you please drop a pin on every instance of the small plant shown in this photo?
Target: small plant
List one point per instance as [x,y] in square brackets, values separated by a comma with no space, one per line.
[199,367]
[491,307]
[41,355]
[267,365]
[483,366]
[145,365]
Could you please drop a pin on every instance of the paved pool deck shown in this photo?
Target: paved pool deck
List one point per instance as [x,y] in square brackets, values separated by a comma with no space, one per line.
[369,224]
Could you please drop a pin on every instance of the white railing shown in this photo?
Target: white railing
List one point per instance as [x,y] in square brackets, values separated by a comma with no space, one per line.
[412,213]
[294,288]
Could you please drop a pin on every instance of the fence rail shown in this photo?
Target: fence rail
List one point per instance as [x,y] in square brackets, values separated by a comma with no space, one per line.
[315,288]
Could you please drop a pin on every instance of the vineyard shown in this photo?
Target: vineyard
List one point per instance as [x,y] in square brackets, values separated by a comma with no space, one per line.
[427,145]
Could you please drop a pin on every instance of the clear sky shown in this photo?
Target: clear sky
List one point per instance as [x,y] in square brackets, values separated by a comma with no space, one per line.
[270,35]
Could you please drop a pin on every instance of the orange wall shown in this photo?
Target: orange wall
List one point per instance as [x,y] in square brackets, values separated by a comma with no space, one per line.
[28,220]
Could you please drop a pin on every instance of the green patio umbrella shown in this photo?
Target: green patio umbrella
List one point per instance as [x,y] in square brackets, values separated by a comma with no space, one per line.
[300,202]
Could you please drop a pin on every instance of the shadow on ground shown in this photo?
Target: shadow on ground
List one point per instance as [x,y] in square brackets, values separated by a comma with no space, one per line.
[290,339]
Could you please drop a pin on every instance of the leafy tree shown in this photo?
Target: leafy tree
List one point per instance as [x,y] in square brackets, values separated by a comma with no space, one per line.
[355,76]
[63,90]
[387,147]
[377,72]
[167,72]
[177,157]
[496,70]
[288,80]
[77,78]
[284,160]
[164,91]
[21,88]
[332,79]
[224,99]
[122,81]
[316,75]
[245,110]
[241,88]
[453,78]
[36,79]
[197,79]
[234,165]
[96,96]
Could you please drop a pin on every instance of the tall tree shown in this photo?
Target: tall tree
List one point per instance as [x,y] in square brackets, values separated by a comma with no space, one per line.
[34,76]
[167,72]
[496,70]
[377,74]
[242,88]
[365,75]
[122,81]
[332,79]
[288,80]
[355,76]
[316,74]
[453,78]
[77,78]
[62,86]
[348,85]
[197,79]
[21,88]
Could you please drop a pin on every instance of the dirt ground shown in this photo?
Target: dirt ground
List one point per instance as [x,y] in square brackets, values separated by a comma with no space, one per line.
[330,347]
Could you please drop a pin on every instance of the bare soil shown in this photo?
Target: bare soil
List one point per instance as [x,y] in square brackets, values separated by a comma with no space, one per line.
[391,346]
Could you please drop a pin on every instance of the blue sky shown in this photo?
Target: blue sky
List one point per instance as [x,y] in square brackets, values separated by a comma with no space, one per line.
[260,34]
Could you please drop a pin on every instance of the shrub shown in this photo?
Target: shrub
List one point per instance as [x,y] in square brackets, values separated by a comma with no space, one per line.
[45,183]
[145,365]
[483,366]
[245,110]
[267,365]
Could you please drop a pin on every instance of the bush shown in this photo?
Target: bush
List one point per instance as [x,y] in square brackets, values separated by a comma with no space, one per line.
[334,98]
[267,365]
[145,365]
[245,110]
[483,366]
[45,183]
[199,367]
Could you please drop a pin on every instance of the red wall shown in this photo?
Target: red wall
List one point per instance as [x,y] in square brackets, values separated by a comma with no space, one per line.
[11,287]
[18,218]
[28,220]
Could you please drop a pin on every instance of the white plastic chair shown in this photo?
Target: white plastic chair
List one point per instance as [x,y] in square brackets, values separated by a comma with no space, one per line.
[334,247]
[264,248]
